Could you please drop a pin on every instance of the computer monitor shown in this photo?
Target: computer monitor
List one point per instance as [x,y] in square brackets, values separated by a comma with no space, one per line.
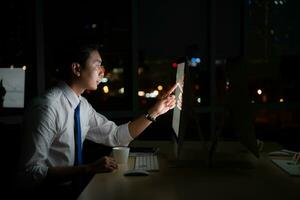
[237,104]
[182,110]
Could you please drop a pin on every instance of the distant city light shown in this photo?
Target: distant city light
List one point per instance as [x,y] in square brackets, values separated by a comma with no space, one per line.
[140,70]
[264,98]
[141,93]
[227,85]
[195,60]
[94,25]
[105,89]
[259,91]
[121,90]
[160,88]
[193,64]
[199,99]
[220,61]
[153,94]
[118,70]
[281,100]
[104,80]
[24,67]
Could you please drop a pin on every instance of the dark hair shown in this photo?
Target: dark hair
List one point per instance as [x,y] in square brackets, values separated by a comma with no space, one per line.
[75,54]
[82,53]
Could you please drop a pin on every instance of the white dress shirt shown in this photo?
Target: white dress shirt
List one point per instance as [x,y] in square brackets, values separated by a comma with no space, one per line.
[49,128]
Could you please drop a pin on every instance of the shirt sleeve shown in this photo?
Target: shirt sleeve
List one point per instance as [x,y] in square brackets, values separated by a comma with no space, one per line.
[39,134]
[106,132]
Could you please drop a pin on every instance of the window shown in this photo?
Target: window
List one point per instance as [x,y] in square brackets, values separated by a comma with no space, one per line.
[17,45]
[101,22]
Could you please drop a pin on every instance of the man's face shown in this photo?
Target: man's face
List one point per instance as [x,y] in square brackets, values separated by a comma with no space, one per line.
[93,71]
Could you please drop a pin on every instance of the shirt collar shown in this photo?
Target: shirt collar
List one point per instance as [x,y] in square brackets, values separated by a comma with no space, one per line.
[70,95]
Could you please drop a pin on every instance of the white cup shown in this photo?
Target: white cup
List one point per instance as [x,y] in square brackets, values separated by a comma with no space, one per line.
[121,154]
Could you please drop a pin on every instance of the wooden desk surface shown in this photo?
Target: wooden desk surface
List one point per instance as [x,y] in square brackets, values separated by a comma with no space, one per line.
[262,181]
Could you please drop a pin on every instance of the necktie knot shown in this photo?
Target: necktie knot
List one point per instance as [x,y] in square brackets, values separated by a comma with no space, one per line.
[77,109]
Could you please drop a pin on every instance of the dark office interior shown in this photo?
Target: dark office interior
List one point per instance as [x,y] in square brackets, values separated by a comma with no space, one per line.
[141,43]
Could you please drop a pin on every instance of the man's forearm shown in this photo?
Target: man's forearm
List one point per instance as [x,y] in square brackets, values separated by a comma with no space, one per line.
[138,125]
[166,103]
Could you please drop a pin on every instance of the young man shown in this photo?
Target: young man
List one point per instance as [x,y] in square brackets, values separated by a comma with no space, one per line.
[50,152]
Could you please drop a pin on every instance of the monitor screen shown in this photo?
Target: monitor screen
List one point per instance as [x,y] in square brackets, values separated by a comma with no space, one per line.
[179,97]
[183,113]
[179,119]
[12,87]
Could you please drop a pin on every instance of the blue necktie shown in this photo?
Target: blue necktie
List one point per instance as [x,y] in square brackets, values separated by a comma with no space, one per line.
[77,136]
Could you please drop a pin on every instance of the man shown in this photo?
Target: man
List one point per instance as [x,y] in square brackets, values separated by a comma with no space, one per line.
[50,152]
[2,93]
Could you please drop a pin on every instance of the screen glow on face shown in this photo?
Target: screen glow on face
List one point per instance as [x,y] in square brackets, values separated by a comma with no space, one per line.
[94,71]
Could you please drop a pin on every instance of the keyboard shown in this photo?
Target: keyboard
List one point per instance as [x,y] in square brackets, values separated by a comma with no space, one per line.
[146,161]
[288,166]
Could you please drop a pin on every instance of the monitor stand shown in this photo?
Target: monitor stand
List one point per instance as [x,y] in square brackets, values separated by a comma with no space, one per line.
[191,155]
[190,151]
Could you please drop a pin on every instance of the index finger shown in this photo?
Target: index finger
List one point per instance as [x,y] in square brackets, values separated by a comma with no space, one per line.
[172,89]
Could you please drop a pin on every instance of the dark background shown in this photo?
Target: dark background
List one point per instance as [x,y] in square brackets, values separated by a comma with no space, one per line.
[141,40]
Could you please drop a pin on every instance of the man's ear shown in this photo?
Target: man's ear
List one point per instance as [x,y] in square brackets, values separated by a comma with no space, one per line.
[76,69]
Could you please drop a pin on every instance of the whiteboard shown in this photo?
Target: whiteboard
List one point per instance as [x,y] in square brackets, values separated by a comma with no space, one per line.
[13,80]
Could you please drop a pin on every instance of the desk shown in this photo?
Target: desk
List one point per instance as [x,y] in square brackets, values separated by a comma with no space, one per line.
[263,181]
